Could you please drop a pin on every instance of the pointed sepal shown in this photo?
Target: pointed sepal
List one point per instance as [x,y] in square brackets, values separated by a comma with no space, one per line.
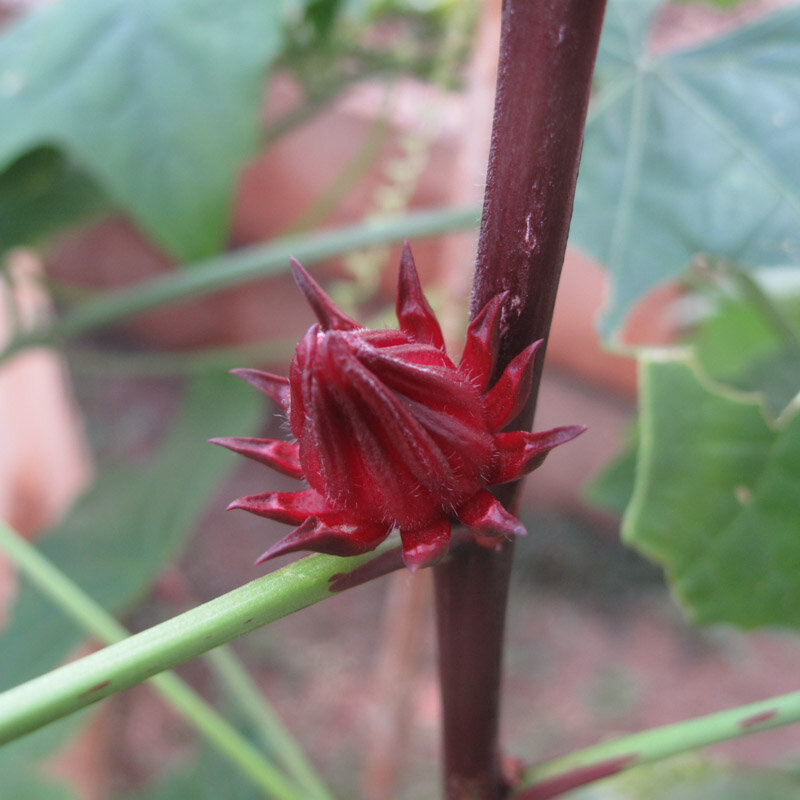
[275,387]
[423,547]
[332,534]
[486,515]
[289,507]
[281,456]
[414,313]
[483,340]
[507,397]
[330,316]
[522,452]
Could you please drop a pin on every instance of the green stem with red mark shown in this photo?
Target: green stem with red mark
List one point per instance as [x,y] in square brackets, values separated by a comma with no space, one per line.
[134,659]
[547,53]
[552,778]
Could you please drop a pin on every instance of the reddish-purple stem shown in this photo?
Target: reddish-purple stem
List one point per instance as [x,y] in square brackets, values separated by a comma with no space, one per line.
[580,776]
[547,53]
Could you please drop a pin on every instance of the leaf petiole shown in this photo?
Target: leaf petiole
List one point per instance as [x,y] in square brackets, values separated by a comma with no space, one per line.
[581,767]
[132,660]
[238,267]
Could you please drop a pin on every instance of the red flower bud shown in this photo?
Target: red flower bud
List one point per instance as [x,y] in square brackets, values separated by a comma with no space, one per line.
[391,434]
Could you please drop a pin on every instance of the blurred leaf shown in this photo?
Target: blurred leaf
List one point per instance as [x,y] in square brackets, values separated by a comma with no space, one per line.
[41,193]
[734,346]
[734,336]
[693,779]
[724,4]
[158,101]
[207,777]
[737,346]
[776,377]
[716,498]
[321,15]
[613,487]
[690,151]
[624,35]
[24,775]
[127,527]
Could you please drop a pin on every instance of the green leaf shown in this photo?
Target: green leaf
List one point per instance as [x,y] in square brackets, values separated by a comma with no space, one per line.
[776,377]
[207,777]
[157,101]
[613,487]
[716,498]
[41,193]
[625,27]
[24,775]
[133,520]
[734,336]
[322,15]
[690,152]
[738,346]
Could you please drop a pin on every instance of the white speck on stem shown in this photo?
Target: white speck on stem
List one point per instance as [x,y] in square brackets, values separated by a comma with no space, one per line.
[530,239]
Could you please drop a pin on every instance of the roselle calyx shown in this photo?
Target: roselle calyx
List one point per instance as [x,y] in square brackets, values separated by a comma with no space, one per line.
[391,434]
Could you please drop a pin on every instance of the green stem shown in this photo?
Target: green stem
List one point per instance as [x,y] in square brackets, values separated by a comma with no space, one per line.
[215,728]
[551,778]
[99,361]
[225,738]
[58,587]
[270,729]
[239,267]
[134,659]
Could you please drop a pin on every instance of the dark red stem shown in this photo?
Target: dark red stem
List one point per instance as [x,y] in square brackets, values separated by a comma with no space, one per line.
[547,53]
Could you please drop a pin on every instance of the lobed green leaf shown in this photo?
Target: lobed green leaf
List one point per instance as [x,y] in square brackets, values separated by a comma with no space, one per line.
[716,497]
[690,152]
[158,102]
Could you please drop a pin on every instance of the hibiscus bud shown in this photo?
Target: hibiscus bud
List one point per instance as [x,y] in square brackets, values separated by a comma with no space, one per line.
[390,433]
